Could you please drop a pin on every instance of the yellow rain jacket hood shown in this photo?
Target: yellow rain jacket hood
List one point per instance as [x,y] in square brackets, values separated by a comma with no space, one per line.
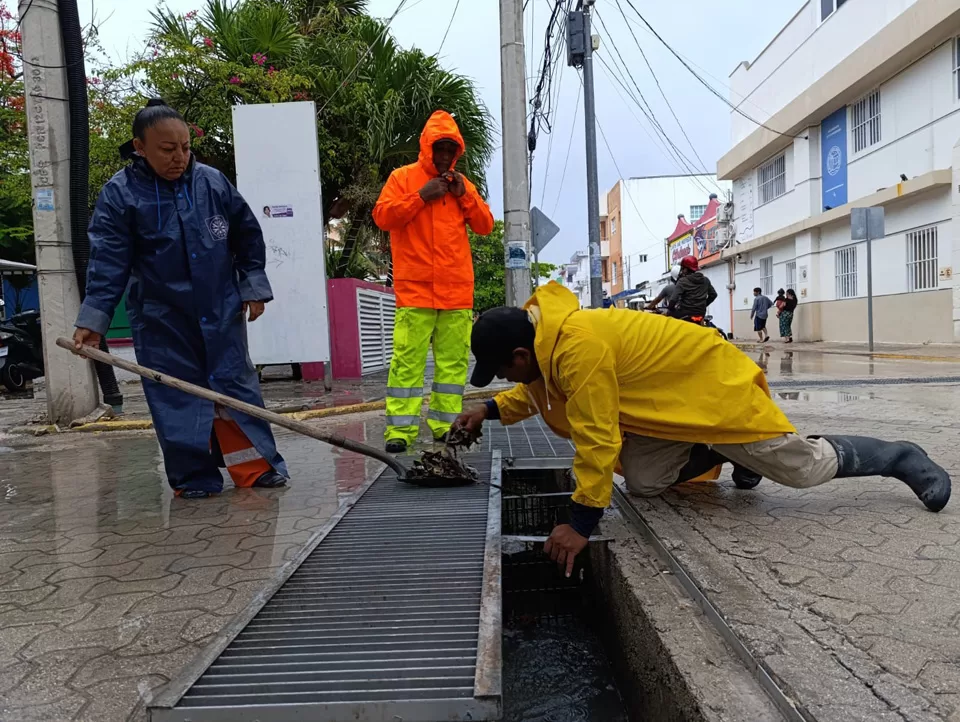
[614,371]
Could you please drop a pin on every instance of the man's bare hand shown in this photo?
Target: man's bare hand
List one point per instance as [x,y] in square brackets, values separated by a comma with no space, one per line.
[472,419]
[85,337]
[434,189]
[254,309]
[458,187]
[563,546]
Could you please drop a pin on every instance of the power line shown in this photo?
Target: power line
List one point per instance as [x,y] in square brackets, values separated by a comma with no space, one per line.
[705,84]
[566,160]
[366,54]
[450,25]
[684,162]
[659,87]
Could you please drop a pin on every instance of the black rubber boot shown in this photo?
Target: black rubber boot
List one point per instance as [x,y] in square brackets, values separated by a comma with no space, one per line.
[270,480]
[195,494]
[396,446]
[744,478]
[903,460]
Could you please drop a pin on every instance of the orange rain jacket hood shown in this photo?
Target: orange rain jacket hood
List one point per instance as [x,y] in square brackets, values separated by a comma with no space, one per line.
[432,263]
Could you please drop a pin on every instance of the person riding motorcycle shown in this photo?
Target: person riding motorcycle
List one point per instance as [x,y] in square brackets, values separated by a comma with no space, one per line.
[694,292]
[664,298]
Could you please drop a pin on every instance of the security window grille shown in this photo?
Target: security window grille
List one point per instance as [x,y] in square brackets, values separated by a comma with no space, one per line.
[696,213]
[375,315]
[792,274]
[772,179]
[956,68]
[845,261]
[865,121]
[922,260]
[766,275]
[827,8]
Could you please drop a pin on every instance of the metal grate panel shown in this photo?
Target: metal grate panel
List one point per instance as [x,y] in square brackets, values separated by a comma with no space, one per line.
[388,618]
[530,439]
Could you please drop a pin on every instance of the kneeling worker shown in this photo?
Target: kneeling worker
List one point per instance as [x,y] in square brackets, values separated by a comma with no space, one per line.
[666,400]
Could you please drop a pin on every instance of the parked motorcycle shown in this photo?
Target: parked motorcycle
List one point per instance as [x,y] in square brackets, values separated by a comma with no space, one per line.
[21,350]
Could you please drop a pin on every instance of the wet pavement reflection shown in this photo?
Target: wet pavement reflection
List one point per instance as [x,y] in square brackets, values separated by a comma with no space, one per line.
[109,584]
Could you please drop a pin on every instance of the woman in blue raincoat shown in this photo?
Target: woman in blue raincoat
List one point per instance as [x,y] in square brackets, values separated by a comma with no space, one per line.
[193,254]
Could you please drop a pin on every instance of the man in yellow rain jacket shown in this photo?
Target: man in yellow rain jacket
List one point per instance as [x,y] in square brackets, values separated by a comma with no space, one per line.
[426,207]
[665,399]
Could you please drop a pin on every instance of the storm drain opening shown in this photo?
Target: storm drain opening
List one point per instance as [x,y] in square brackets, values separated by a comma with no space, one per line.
[555,664]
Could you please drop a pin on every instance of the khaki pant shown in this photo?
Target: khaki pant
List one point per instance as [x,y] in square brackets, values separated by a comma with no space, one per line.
[652,465]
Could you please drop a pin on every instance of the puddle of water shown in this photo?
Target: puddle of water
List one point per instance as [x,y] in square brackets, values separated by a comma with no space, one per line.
[558,672]
[823,395]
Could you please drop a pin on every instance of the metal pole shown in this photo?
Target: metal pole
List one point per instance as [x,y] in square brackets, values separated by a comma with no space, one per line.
[869,290]
[593,184]
[71,386]
[516,184]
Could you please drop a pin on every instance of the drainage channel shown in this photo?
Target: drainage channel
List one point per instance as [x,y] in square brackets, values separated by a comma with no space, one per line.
[394,615]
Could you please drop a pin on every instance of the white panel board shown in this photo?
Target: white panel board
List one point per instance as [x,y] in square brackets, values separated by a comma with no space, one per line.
[279,176]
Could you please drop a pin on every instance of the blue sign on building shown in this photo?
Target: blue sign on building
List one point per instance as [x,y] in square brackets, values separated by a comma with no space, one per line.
[833,154]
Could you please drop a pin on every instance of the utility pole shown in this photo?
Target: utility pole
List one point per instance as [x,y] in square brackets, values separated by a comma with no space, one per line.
[516,182]
[580,54]
[71,385]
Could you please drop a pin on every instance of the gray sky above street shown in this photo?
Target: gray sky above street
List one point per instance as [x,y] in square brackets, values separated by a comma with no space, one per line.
[711,35]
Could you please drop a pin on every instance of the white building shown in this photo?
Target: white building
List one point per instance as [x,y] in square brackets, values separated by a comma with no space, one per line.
[860,103]
[638,210]
[576,277]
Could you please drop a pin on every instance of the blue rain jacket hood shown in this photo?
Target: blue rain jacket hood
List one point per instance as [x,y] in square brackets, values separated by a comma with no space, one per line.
[189,253]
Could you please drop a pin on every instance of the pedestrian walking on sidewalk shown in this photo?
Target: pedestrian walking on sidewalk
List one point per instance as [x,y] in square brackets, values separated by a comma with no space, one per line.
[426,207]
[661,402]
[786,316]
[193,254]
[759,313]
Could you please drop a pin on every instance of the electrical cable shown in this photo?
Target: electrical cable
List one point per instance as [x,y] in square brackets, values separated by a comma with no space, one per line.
[660,87]
[449,25]
[707,85]
[366,54]
[566,160]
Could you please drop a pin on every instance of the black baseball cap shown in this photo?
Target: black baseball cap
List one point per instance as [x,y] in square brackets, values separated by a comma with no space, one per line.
[495,336]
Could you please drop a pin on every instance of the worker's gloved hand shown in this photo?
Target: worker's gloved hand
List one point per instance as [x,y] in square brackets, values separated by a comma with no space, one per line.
[85,337]
[563,546]
[471,420]
[253,309]
[434,189]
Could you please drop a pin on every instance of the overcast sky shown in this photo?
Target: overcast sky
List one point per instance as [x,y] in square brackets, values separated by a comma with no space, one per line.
[713,36]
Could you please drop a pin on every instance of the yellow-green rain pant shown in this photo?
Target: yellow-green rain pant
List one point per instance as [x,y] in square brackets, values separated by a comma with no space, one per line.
[412,331]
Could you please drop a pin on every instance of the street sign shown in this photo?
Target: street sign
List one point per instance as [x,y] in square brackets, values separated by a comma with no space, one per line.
[867,224]
[543,230]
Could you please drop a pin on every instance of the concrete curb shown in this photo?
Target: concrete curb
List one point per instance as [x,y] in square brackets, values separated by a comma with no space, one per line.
[147,424]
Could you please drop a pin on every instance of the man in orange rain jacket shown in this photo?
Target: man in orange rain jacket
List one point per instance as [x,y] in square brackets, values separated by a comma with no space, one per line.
[426,207]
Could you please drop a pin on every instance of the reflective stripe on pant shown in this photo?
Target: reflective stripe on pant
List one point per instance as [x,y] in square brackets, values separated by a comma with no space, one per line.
[243,461]
[412,332]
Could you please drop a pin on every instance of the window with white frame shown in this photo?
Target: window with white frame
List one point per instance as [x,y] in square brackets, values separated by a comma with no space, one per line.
[766,275]
[772,179]
[922,260]
[845,262]
[828,7]
[613,225]
[956,68]
[696,213]
[614,272]
[865,121]
[791,274]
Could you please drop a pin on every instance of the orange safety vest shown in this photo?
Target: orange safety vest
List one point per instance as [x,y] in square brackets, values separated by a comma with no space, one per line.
[432,263]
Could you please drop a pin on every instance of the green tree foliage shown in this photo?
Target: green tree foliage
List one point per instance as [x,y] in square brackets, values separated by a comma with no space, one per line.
[489,270]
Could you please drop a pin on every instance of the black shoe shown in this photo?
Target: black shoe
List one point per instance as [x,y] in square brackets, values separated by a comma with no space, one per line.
[903,460]
[744,478]
[396,446]
[270,480]
[195,494]
[702,459]
[766,340]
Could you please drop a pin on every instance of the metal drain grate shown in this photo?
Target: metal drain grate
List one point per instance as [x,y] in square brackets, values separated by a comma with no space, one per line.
[394,615]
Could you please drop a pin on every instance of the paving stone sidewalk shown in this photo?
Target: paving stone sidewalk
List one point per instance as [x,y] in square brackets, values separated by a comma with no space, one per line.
[849,593]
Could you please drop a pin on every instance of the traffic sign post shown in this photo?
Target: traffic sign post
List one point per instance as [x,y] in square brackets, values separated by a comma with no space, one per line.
[542,230]
[867,224]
